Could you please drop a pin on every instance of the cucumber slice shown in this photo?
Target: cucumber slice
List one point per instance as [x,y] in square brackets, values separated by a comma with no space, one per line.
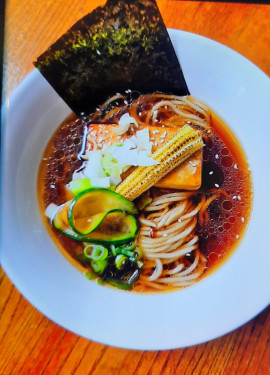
[117,227]
[89,208]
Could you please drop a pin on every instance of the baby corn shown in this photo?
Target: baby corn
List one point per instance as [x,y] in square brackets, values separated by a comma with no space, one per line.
[177,149]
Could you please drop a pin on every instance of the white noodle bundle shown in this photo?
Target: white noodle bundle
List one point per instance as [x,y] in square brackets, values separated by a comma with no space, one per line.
[166,237]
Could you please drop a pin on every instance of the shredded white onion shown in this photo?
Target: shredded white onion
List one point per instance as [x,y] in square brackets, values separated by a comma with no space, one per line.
[51,211]
[124,123]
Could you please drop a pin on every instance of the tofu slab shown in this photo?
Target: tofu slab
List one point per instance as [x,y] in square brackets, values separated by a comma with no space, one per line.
[186,176]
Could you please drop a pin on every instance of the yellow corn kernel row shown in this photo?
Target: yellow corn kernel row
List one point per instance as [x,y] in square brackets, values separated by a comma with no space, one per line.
[177,149]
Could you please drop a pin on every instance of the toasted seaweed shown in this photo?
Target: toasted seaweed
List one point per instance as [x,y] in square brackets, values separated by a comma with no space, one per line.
[122,45]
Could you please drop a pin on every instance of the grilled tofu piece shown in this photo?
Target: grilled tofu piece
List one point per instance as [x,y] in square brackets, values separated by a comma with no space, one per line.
[186,176]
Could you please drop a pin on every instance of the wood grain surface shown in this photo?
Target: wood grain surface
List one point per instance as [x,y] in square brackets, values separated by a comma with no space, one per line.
[29,342]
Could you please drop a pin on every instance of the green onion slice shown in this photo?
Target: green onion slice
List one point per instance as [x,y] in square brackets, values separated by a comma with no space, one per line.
[120,261]
[127,253]
[99,266]
[77,186]
[95,252]
[131,246]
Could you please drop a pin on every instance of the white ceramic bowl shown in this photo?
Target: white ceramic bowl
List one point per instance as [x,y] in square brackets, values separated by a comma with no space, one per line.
[239,92]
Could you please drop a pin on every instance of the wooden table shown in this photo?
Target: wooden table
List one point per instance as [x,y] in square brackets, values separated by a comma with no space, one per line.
[29,342]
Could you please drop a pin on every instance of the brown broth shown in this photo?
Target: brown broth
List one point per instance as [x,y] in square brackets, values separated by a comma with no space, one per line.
[225,167]
[58,163]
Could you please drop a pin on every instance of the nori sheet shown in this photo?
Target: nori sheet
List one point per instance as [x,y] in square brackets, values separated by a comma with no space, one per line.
[122,45]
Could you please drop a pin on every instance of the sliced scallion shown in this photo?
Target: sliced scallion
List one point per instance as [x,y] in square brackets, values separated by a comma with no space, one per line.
[120,261]
[127,253]
[131,246]
[77,186]
[90,275]
[138,253]
[113,250]
[99,266]
[95,252]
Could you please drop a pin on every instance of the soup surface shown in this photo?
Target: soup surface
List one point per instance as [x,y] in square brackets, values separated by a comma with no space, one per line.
[224,176]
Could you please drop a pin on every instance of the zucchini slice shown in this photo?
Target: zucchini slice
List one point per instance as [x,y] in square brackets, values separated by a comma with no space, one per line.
[117,227]
[89,208]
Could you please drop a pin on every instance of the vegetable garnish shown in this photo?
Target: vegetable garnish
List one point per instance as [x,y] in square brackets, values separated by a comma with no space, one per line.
[120,261]
[127,281]
[99,266]
[85,225]
[104,167]
[77,186]
[98,255]
[143,200]
[88,209]
[119,266]
[97,215]
[95,252]
[124,123]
